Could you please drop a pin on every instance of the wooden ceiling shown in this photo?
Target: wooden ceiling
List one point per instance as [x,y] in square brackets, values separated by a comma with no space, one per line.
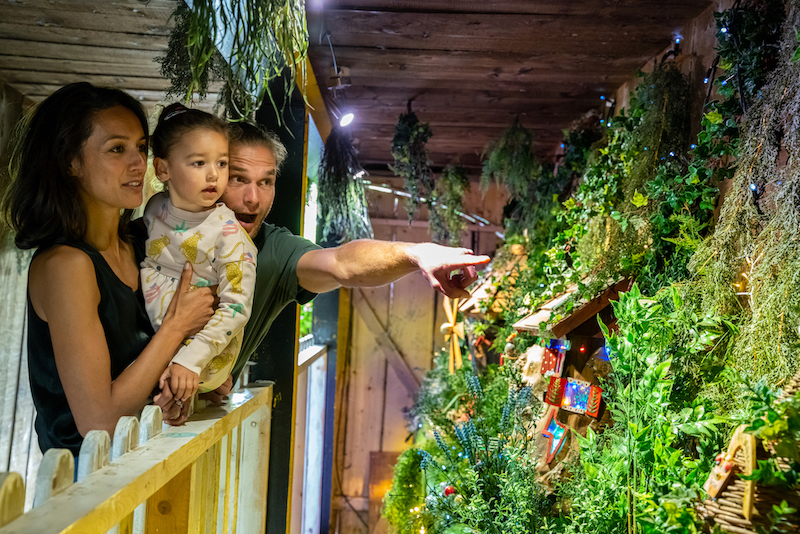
[471,66]
[468,66]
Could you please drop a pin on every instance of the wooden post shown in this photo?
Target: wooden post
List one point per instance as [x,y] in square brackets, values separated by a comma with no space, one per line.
[254,452]
[277,354]
[12,497]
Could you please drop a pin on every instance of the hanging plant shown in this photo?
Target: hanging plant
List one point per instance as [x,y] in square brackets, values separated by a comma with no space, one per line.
[511,161]
[446,222]
[260,37]
[343,203]
[748,36]
[411,160]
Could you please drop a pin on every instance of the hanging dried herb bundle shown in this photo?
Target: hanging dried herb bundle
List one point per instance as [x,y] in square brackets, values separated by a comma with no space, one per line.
[446,222]
[511,161]
[260,38]
[342,202]
[411,160]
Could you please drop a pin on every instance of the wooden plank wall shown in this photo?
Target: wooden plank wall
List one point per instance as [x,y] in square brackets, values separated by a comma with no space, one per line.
[372,423]
[19,450]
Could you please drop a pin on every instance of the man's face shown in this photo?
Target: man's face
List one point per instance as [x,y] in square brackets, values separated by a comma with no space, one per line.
[251,186]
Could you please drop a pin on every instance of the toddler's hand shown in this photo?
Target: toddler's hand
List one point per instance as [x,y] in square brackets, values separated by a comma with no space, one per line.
[181,381]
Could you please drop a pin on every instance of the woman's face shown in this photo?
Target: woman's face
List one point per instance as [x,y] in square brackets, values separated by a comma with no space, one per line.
[112,162]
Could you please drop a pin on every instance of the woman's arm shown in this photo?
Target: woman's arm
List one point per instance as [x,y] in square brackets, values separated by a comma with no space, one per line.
[64,292]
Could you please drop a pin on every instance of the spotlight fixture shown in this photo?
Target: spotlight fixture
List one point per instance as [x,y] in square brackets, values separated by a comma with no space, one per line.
[346,119]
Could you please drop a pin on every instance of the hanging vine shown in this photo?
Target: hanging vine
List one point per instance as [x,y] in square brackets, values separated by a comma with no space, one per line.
[411,161]
[342,199]
[446,222]
[260,38]
[510,161]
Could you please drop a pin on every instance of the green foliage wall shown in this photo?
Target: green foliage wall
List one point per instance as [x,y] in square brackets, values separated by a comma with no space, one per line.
[691,358]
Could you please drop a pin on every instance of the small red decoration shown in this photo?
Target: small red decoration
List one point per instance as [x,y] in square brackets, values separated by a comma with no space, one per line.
[449,490]
[555,391]
[553,362]
[593,405]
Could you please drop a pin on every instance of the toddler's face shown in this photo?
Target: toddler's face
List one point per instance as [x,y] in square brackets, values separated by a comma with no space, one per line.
[196,170]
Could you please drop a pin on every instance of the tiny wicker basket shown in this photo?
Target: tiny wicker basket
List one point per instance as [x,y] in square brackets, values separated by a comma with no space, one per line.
[728,509]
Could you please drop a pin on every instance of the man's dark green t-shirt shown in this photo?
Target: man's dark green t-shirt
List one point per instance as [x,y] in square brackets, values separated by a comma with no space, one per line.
[279,250]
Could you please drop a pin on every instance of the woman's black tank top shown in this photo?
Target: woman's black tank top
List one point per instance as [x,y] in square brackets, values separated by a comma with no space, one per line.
[127,329]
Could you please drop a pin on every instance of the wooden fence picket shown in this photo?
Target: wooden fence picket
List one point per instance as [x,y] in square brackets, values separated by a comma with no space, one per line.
[149,427]
[126,436]
[56,473]
[12,497]
[94,453]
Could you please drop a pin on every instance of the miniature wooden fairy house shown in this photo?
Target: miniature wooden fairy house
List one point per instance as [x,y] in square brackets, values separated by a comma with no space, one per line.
[490,296]
[566,369]
[745,506]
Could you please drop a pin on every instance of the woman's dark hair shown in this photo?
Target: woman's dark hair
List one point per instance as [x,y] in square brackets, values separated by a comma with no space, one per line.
[43,203]
[176,120]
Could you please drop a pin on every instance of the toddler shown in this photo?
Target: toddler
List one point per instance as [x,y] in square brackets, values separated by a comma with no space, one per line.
[186,223]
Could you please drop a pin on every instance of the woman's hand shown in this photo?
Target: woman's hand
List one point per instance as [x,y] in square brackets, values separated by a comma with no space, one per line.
[191,307]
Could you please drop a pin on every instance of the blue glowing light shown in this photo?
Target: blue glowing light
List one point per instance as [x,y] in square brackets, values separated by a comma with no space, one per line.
[645,148]
[562,145]
[541,285]
[724,82]
[780,182]
[602,121]
[724,30]
[672,154]
[705,80]
[753,187]
[677,40]
[602,97]
[693,146]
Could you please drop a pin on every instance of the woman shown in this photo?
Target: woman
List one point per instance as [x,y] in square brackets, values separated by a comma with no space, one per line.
[77,173]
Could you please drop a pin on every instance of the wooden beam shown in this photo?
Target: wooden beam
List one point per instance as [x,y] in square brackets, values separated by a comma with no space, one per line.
[670,8]
[35,77]
[99,16]
[471,227]
[647,30]
[36,49]
[105,39]
[386,343]
[78,66]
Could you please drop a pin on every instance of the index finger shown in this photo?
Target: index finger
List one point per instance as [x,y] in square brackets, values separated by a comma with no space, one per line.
[469,259]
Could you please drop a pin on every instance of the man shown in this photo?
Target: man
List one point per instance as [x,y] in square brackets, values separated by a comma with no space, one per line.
[291,268]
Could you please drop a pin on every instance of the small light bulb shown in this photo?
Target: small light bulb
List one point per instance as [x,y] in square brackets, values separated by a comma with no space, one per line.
[677,40]
[752,187]
[705,80]
[724,30]
[602,97]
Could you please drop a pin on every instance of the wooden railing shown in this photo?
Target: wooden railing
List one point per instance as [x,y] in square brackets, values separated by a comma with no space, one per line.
[208,475]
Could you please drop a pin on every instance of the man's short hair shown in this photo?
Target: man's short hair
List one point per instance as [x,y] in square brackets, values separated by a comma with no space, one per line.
[245,134]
